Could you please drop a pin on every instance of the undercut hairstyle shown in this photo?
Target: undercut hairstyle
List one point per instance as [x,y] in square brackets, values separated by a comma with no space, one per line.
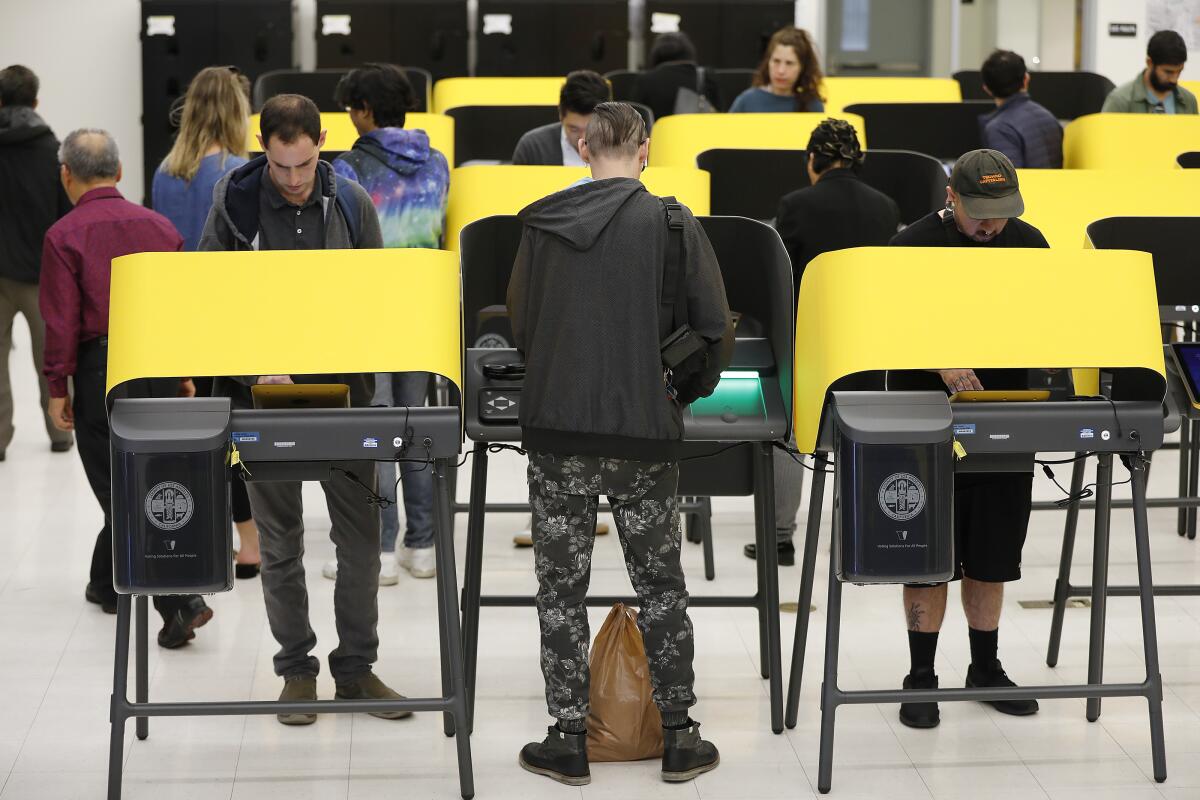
[808,86]
[583,91]
[287,117]
[90,154]
[832,141]
[384,88]
[1003,73]
[18,86]
[675,46]
[1167,48]
[616,130]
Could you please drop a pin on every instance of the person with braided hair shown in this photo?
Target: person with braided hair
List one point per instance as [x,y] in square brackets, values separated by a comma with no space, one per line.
[838,210]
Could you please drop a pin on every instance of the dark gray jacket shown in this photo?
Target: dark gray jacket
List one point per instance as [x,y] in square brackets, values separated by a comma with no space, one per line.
[232,224]
[584,304]
[31,196]
[540,147]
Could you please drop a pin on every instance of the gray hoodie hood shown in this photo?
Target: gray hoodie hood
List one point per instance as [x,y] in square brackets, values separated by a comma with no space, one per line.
[580,214]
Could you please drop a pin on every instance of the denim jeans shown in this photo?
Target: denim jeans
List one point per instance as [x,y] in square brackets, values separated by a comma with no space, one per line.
[404,389]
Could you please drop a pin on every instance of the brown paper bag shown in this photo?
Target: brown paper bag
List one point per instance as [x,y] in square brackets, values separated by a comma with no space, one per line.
[624,724]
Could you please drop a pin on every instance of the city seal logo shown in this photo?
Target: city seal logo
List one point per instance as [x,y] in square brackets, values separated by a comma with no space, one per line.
[901,496]
[169,506]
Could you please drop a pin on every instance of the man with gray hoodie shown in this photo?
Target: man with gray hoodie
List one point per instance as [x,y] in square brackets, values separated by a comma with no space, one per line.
[288,199]
[602,415]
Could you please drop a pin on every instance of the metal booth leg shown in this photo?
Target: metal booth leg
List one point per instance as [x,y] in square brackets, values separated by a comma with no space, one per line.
[141,675]
[829,687]
[119,701]
[1149,629]
[1193,477]
[1062,586]
[448,614]
[807,568]
[769,591]
[1099,579]
[704,519]
[1184,450]
[760,568]
[474,572]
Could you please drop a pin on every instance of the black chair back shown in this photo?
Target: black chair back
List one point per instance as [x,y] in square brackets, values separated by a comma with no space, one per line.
[622,81]
[551,37]
[491,133]
[1067,95]
[1188,160]
[731,83]
[942,130]
[750,183]
[319,86]
[1172,242]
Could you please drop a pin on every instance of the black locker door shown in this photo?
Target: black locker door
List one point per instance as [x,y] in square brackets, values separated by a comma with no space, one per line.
[431,35]
[255,35]
[552,37]
[590,35]
[179,38]
[727,33]
[369,37]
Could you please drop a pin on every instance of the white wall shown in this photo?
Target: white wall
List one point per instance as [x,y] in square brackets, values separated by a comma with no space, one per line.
[1117,58]
[88,57]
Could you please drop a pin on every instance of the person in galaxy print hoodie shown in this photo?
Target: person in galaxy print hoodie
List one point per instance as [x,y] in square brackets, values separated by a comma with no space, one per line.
[406,178]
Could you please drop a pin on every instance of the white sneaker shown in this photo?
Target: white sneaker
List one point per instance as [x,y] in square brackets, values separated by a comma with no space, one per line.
[389,572]
[329,569]
[417,560]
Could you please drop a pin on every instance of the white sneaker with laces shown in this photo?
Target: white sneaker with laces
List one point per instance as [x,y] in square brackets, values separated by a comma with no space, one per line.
[418,561]
[389,571]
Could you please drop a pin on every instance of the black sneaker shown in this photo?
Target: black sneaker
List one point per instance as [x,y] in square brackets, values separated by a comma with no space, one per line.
[181,627]
[787,553]
[920,715]
[686,755]
[102,596]
[992,677]
[561,756]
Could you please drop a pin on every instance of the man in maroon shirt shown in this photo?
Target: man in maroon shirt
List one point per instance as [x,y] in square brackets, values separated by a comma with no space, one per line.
[76,265]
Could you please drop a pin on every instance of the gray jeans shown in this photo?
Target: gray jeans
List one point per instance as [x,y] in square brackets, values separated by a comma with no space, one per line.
[279,512]
[789,492]
[22,298]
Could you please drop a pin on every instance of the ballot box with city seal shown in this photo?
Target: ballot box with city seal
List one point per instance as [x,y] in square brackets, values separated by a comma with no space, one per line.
[893,512]
[171,498]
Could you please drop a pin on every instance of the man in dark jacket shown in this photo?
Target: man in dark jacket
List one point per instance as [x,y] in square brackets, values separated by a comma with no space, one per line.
[557,144]
[1021,128]
[288,199]
[31,199]
[838,210]
[600,415]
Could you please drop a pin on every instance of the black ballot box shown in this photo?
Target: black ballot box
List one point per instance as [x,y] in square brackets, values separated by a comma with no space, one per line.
[170,499]
[893,517]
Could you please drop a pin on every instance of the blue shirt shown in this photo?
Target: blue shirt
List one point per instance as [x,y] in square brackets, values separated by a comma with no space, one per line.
[186,203]
[1025,132]
[760,101]
[1167,103]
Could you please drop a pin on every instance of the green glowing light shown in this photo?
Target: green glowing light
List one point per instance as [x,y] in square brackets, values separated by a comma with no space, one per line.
[740,395]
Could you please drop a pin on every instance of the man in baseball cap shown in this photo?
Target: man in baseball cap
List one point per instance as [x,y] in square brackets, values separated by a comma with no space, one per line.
[991,509]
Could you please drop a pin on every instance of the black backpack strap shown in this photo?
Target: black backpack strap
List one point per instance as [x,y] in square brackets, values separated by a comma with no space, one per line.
[674,294]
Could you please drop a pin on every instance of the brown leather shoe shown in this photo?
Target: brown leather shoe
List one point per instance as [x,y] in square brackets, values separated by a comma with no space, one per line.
[299,687]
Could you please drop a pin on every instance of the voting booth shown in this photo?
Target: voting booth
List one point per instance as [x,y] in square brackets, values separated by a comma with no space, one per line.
[942,130]
[430,34]
[843,92]
[551,37]
[173,458]
[841,320]
[680,138]
[1066,95]
[1131,143]
[728,436]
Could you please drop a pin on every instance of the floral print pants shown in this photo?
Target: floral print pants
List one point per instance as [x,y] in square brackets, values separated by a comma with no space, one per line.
[564,494]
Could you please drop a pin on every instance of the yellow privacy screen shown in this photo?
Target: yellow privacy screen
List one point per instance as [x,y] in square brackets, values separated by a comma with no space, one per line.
[340,134]
[484,191]
[842,92]
[1129,143]
[880,308]
[454,92]
[675,141]
[284,312]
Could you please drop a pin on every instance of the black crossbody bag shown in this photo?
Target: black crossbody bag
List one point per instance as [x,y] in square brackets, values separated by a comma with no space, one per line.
[683,351]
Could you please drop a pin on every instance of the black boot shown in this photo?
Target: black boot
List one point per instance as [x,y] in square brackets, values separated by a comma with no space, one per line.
[685,754]
[920,715]
[561,756]
[787,552]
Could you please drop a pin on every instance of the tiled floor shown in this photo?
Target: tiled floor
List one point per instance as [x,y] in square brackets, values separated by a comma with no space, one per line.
[56,666]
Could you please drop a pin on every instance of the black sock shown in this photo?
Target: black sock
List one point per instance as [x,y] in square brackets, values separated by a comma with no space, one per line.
[674,719]
[921,649]
[572,725]
[983,647]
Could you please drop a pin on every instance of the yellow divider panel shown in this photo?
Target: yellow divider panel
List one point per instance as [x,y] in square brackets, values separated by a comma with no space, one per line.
[485,191]
[284,313]
[453,92]
[1129,143]
[1191,86]
[842,92]
[341,135]
[675,141]
[1062,203]
[875,308]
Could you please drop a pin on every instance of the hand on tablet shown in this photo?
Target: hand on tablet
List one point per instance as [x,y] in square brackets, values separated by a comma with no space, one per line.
[960,380]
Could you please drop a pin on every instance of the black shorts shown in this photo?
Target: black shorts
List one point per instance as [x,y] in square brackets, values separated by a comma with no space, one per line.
[991,518]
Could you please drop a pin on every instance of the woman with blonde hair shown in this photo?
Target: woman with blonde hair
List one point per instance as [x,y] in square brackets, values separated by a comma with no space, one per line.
[211,142]
[787,79]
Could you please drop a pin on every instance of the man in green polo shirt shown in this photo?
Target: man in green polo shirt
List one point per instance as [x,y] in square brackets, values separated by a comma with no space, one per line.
[1156,90]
